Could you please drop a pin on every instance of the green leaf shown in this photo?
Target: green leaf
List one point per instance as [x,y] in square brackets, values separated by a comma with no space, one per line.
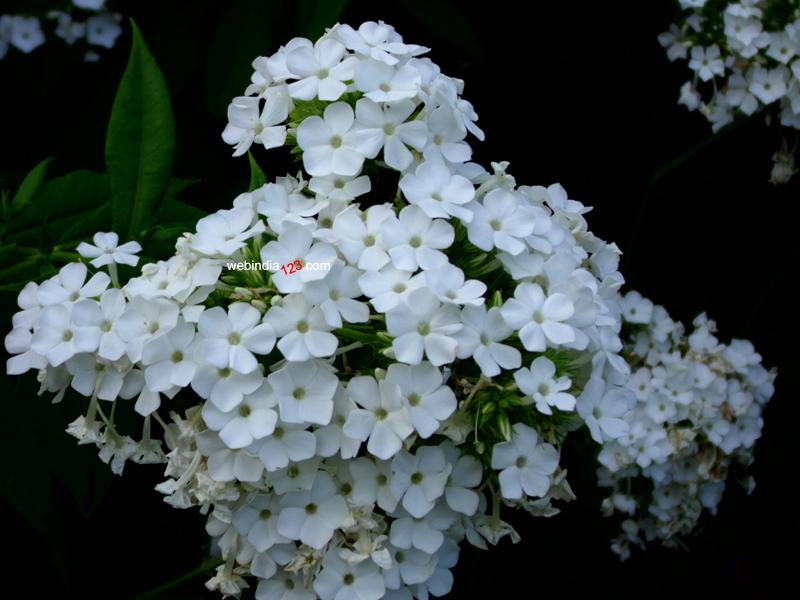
[30,185]
[314,16]
[257,177]
[243,33]
[73,203]
[140,143]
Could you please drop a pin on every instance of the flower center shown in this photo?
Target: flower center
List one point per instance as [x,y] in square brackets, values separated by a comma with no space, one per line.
[336,141]
[388,129]
[369,240]
[322,74]
[416,478]
[334,295]
[244,411]
[399,288]
[538,316]
[485,339]
[224,373]
[299,393]
[67,336]
[381,414]
[105,326]
[265,514]
[177,356]
[348,579]
[302,326]
[521,462]
[385,87]
[234,339]
[423,329]
[413,399]
[415,242]
[74,296]
[495,224]
[311,509]
[436,196]
[339,184]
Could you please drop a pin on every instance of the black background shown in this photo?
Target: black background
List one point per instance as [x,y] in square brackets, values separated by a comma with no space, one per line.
[575,92]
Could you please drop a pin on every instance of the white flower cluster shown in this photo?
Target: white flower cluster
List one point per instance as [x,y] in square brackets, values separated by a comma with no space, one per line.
[689,417]
[745,57]
[346,428]
[92,22]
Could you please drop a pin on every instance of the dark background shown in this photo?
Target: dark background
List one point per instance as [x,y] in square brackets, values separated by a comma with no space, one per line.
[575,92]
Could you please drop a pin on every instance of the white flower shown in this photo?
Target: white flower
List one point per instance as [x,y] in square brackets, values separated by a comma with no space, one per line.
[539,318]
[445,138]
[70,285]
[313,516]
[768,85]
[26,33]
[635,308]
[286,443]
[414,240]
[225,464]
[378,40]
[383,418]
[437,191]
[340,187]
[360,239]
[145,320]
[106,250]
[170,358]
[371,483]
[542,385]
[448,283]
[225,387]
[525,465]
[331,438]
[103,30]
[258,521]
[231,339]
[90,376]
[58,339]
[388,128]
[330,144]
[225,231]
[340,580]
[335,295]
[424,534]
[429,402]
[389,287]
[382,83]
[321,70]
[419,480]
[247,124]
[603,409]
[501,221]
[296,243]
[253,419]
[103,316]
[422,324]
[18,342]
[466,475]
[281,205]
[480,336]
[301,328]
[284,586]
[409,567]
[707,62]
[304,392]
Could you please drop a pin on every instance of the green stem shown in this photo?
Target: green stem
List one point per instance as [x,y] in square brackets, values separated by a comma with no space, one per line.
[209,564]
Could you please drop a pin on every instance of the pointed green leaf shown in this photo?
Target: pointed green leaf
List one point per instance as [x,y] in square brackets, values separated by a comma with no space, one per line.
[140,143]
[257,177]
[30,185]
